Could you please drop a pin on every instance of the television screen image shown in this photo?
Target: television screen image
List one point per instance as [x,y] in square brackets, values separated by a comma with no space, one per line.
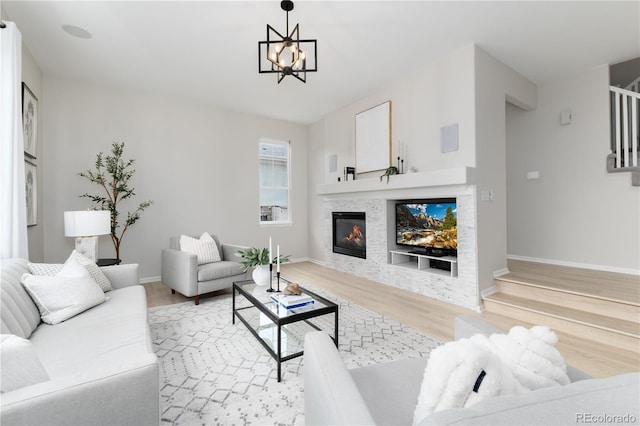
[429,225]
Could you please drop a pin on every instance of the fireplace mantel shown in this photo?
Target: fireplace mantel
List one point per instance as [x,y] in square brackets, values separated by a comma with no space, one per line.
[454,176]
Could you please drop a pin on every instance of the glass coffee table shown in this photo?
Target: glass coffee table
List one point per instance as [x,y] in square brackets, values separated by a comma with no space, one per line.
[280,330]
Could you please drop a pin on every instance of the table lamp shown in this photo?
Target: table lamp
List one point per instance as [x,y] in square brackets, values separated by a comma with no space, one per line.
[86,225]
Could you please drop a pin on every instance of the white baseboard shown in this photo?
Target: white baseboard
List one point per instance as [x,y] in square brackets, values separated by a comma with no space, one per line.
[308,259]
[318,262]
[488,291]
[576,265]
[500,272]
[149,280]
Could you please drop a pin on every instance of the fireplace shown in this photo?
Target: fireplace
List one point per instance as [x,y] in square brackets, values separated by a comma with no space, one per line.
[349,234]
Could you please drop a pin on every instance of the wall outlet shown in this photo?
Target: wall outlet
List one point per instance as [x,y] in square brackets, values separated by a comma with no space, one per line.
[533,175]
[486,195]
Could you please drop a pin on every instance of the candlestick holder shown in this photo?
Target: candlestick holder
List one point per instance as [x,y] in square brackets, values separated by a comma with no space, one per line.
[278,274]
[270,289]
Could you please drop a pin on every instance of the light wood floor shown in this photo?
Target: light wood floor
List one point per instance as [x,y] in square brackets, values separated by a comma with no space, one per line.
[427,315]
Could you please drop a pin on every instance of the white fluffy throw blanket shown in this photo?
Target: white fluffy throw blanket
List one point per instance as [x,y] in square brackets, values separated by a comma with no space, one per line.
[463,372]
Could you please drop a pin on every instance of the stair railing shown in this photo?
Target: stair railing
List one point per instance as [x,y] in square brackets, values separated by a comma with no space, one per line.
[634,86]
[626,106]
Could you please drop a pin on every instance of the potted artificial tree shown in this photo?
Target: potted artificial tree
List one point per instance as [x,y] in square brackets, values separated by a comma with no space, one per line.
[112,174]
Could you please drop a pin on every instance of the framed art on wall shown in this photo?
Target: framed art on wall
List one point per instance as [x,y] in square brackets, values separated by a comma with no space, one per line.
[31,192]
[29,121]
[373,138]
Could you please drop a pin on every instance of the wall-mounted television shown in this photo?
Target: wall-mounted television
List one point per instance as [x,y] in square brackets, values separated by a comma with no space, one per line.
[430,226]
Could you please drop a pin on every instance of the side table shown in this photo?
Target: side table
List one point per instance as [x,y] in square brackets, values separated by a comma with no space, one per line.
[108,262]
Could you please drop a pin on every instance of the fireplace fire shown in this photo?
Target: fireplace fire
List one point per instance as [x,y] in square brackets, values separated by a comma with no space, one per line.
[349,234]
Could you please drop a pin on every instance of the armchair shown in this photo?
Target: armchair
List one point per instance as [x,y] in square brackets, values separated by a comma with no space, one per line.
[180,270]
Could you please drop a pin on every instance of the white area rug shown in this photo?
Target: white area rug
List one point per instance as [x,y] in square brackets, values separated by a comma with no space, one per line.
[215,372]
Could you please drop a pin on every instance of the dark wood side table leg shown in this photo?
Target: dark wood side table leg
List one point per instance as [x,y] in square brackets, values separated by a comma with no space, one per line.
[279,354]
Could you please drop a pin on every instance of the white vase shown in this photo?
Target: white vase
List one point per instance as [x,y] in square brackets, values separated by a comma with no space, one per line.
[261,275]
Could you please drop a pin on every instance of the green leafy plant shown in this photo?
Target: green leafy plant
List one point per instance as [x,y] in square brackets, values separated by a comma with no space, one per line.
[258,256]
[113,174]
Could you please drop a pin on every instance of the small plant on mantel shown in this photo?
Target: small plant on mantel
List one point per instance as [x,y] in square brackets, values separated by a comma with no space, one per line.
[253,257]
[112,174]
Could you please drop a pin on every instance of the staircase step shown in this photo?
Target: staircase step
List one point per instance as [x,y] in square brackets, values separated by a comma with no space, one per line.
[616,332]
[520,285]
[613,286]
[579,352]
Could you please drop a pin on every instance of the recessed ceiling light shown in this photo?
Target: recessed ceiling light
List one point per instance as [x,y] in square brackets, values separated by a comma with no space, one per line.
[76,31]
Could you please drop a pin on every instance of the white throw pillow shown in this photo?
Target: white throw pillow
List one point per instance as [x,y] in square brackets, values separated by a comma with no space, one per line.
[205,248]
[49,269]
[20,365]
[464,372]
[94,270]
[65,295]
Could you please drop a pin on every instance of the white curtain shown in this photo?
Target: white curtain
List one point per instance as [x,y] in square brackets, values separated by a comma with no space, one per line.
[13,208]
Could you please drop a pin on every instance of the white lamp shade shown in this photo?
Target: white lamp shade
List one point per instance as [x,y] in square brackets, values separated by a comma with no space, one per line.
[87,223]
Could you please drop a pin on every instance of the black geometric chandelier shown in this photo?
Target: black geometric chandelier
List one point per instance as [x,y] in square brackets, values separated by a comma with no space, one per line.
[287,54]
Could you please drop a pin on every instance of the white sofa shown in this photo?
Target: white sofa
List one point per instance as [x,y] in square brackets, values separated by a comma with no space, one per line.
[387,393]
[101,366]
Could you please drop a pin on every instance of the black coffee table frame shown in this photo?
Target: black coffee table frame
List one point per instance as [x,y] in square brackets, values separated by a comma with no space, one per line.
[280,316]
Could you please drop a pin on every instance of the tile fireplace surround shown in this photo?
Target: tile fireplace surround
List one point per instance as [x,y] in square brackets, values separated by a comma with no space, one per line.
[378,202]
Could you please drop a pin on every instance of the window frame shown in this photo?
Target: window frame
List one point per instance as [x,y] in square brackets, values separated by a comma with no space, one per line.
[288,188]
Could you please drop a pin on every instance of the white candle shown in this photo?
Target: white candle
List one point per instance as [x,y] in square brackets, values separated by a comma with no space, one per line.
[270,257]
[278,258]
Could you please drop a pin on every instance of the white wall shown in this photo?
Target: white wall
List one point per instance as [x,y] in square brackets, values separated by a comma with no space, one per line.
[198,164]
[576,213]
[495,84]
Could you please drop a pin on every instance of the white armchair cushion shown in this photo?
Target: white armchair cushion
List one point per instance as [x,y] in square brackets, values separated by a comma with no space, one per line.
[20,365]
[65,295]
[205,248]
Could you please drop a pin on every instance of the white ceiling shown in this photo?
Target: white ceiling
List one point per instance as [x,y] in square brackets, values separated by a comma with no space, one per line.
[207,50]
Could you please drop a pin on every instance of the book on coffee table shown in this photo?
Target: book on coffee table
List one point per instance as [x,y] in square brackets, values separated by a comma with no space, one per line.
[290,301]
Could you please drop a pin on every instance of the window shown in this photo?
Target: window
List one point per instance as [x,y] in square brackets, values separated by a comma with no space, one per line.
[274,157]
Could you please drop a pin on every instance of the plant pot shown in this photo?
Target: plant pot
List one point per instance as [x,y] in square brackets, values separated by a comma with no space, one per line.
[261,275]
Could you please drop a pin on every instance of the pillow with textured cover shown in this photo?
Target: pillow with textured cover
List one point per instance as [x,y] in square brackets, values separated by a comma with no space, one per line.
[51,269]
[64,295]
[464,372]
[48,269]
[205,248]
[94,270]
[20,365]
